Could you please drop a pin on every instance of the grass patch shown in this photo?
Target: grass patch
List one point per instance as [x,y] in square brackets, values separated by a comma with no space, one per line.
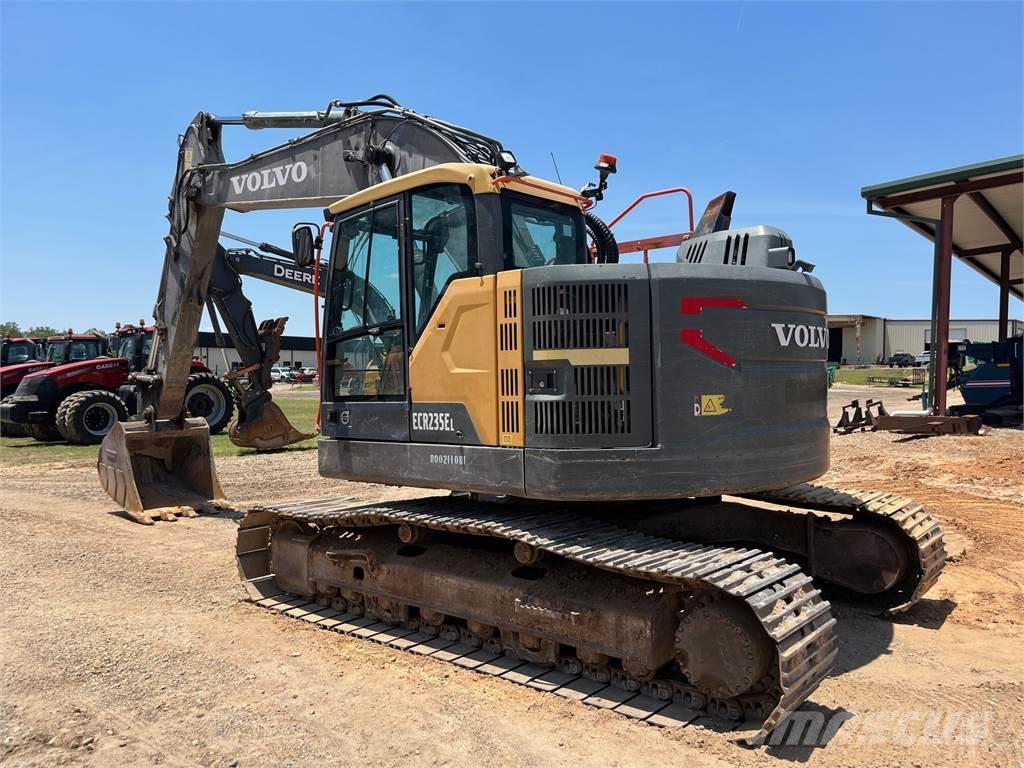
[847,375]
[301,412]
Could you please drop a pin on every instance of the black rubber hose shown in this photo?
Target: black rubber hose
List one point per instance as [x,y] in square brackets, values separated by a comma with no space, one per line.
[607,248]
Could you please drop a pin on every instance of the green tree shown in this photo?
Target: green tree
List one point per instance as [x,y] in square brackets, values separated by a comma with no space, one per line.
[42,330]
[10,328]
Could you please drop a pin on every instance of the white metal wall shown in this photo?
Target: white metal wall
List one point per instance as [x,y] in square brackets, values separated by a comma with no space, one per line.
[911,335]
[214,360]
[872,339]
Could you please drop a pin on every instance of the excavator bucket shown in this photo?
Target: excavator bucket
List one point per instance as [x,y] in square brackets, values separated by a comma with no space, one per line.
[270,431]
[162,473]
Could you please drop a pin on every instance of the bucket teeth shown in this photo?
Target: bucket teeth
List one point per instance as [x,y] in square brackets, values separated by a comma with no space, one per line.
[270,431]
[164,473]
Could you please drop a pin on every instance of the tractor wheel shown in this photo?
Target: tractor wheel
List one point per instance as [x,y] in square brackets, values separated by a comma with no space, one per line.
[88,416]
[209,397]
[12,429]
[60,420]
[43,431]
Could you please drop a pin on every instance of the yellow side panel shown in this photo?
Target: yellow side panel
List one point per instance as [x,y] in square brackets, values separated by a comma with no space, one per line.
[510,357]
[455,360]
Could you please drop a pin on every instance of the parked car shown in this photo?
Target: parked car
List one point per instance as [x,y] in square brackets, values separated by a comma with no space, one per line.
[277,373]
[305,375]
[901,360]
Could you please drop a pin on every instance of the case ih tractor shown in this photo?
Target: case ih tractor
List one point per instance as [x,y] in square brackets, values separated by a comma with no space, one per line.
[81,400]
[19,350]
[24,356]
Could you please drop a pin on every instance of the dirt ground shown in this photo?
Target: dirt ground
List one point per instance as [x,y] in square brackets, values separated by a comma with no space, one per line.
[127,645]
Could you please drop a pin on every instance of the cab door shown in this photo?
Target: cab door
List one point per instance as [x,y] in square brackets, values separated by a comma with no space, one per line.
[365,392]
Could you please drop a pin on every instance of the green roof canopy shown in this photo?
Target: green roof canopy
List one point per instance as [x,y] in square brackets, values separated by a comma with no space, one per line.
[988,218]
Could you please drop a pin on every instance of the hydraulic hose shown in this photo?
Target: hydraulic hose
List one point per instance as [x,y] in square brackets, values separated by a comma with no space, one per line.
[604,241]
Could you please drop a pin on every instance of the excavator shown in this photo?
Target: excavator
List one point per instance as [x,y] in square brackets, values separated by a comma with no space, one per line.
[629,447]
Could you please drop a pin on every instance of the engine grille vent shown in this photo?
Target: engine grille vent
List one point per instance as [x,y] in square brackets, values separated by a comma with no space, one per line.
[586,417]
[736,249]
[587,350]
[602,380]
[510,362]
[695,251]
[580,316]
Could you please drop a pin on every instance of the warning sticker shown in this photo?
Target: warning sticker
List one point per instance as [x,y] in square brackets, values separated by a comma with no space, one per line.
[710,405]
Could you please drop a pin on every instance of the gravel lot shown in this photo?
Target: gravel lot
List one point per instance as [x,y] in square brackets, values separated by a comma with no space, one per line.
[132,645]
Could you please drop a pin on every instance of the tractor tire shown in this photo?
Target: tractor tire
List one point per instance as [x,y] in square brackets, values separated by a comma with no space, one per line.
[88,416]
[60,420]
[208,396]
[44,432]
[11,429]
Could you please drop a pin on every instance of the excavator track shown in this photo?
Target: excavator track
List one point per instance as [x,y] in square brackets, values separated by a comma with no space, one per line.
[920,532]
[727,588]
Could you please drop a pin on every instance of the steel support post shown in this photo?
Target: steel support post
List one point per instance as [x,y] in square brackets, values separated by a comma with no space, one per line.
[1004,294]
[940,344]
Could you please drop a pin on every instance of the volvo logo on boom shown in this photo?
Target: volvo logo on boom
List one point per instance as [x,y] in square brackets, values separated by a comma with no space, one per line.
[269,178]
[813,336]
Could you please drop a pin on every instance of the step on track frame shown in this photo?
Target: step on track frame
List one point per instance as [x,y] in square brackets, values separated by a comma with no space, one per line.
[784,600]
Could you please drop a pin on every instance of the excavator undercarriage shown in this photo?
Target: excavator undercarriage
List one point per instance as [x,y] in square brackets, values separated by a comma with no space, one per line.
[614,616]
[651,613]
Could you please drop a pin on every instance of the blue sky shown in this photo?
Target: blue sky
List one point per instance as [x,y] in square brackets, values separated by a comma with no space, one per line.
[793,106]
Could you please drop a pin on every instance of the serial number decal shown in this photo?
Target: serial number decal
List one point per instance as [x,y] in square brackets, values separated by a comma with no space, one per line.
[447,458]
[432,421]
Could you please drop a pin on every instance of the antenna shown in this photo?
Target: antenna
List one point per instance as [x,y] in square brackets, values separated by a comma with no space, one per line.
[555,163]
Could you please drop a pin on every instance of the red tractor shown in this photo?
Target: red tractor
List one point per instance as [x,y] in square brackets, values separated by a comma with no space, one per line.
[19,350]
[80,401]
[24,356]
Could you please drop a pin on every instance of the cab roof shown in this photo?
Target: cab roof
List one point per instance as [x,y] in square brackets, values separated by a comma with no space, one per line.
[481,179]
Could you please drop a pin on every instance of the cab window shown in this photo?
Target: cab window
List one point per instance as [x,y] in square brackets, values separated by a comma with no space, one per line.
[539,233]
[19,352]
[366,347]
[365,288]
[442,246]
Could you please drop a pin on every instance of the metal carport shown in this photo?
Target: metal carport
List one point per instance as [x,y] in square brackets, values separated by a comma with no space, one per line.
[976,213]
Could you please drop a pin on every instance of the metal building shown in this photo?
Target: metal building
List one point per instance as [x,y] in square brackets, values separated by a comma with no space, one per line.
[866,339]
[296,352]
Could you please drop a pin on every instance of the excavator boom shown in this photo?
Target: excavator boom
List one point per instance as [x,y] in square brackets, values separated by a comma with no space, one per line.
[356,145]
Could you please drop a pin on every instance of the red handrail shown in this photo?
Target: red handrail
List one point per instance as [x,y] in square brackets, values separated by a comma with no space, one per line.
[661,241]
[658,193]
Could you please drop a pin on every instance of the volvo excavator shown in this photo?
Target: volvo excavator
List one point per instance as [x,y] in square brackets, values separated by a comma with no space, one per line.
[629,448]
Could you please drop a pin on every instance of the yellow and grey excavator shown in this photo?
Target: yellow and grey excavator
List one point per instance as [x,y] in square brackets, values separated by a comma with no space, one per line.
[630,447]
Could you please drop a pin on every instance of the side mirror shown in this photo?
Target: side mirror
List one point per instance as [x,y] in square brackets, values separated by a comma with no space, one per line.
[303,240]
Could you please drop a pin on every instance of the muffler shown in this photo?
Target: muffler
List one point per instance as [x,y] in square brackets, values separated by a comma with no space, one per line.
[269,431]
[162,473]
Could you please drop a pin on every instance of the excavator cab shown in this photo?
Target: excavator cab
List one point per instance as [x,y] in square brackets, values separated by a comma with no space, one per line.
[475,341]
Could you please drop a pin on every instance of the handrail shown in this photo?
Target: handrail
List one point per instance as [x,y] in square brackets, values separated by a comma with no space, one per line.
[661,241]
[658,193]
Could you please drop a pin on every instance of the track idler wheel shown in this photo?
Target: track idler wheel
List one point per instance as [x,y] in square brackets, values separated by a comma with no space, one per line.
[722,648]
